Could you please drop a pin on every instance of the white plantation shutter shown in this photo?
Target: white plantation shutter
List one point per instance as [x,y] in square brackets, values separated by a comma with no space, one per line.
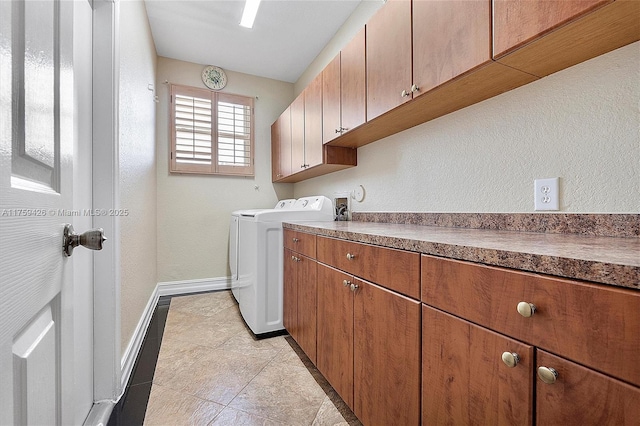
[235,134]
[212,133]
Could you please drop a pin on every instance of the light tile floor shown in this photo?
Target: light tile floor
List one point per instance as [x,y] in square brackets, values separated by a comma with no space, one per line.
[212,371]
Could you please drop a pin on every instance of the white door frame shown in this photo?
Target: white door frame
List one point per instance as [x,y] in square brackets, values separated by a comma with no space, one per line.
[106,195]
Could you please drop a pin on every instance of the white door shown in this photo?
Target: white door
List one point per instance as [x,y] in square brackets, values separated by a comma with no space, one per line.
[46,323]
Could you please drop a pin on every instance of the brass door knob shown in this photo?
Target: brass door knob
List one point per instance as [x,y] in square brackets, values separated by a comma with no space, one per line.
[511,359]
[547,375]
[526,309]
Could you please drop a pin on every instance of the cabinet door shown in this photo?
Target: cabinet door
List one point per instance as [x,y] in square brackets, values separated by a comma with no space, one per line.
[450,38]
[313,123]
[290,294]
[335,331]
[517,22]
[581,396]
[331,100]
[386,357]
[353,87]
[465,381]
[297,134]
[307,304]
[275,151]
[284,147]
[388,57]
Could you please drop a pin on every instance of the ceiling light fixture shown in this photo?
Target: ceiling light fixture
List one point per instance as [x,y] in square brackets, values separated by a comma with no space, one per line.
[249,14]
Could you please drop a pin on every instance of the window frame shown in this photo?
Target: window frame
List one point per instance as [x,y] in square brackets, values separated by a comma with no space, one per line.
[214,168]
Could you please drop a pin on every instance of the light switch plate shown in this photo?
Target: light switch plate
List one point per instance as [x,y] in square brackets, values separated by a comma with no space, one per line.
[547,194]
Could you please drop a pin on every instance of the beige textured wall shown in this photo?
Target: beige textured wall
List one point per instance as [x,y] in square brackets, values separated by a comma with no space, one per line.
[137,166]
[194,211]
[581,124]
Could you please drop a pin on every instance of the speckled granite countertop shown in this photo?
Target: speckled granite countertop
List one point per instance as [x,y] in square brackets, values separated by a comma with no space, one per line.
[608,260]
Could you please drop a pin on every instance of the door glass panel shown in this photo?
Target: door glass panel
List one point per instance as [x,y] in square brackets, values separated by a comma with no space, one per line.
[34,94]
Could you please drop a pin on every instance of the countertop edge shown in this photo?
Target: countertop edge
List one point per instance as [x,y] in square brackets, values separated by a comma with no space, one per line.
[617,275]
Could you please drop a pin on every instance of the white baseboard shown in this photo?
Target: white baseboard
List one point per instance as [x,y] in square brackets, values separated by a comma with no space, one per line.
[169,288]
[174,288]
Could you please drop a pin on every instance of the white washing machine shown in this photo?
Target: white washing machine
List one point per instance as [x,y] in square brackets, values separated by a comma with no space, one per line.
[233,239]
[260,259]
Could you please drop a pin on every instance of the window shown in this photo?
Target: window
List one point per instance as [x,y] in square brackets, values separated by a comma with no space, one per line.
[211,132]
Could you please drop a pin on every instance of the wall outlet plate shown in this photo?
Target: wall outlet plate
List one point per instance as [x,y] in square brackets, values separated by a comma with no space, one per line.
[546,194]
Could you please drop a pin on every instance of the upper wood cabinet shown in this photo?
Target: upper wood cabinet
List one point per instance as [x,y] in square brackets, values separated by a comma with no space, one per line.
[450,37]
[331,119]
[313,123]
[281,146]
[297,134]
[541,37]
[517,22]
[388,58]
[298,139]
[344,90]
[353,87]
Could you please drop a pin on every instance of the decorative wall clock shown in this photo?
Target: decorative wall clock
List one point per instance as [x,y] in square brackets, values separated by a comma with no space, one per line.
[214,77]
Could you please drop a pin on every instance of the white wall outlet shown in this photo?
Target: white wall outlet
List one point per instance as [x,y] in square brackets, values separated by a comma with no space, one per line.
[547,194]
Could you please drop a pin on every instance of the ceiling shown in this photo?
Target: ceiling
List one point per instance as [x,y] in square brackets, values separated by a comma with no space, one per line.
[286,37]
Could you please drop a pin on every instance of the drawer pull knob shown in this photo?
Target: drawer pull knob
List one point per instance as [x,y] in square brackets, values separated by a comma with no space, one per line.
[293,258]
[354,287]
[351,256]
[295,240]
[511,359]
[547,375]
[346,283]
[526,309]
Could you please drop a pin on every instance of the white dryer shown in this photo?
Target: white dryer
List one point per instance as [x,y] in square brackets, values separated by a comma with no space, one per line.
[260,259]
[233,239]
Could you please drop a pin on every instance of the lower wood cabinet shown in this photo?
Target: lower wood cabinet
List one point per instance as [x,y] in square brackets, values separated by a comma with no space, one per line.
[465,381]
[386,381]
[369,347]
[335,331]
[581,396]
[300,300]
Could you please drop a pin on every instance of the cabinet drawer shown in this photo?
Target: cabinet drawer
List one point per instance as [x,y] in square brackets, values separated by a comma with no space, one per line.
[394,269]
[300,242]
[581,396]
[591,324]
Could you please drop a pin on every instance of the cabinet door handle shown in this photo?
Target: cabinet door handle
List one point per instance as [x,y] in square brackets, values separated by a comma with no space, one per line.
[354,287]
[547,375]
[526,309]
[511,359]
[414,89]
[339,130]
[295,240]
[346,283]
[351,256]
[404,94]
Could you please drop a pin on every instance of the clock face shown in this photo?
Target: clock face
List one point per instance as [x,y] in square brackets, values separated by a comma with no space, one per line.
[214,77]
